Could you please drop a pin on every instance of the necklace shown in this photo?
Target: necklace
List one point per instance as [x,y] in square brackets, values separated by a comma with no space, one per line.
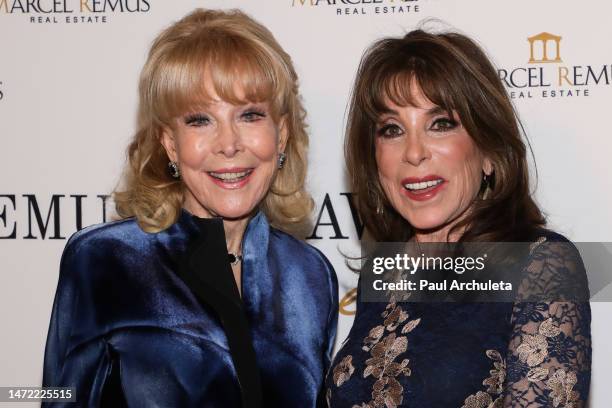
[234,258]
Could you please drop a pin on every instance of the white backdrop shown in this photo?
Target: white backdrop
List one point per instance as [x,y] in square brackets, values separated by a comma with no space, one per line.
[67,112]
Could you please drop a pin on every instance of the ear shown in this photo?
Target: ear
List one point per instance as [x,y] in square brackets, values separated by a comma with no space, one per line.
[168,140]
[283,133]
[487,166]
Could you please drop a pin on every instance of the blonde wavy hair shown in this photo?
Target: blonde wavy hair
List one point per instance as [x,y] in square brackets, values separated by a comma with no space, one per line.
[236,52]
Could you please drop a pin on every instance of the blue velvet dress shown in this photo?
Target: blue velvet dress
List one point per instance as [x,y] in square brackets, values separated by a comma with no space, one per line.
[530,353]
[156,320]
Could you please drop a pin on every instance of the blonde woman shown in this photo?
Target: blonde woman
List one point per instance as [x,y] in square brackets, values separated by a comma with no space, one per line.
[199,297]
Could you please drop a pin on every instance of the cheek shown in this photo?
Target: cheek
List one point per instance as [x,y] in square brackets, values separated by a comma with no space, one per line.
[388,158]
[193,149]
[464,162]
[264,147]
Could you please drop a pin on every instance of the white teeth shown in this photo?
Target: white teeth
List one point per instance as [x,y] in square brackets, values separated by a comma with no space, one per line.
[230,176]
[422,185]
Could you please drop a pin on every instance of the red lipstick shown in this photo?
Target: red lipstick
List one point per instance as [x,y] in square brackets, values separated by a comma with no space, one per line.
[422,188]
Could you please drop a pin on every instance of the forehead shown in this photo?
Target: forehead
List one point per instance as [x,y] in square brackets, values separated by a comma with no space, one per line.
[414,98]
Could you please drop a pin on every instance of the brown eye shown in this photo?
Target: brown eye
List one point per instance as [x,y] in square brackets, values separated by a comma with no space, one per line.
[443,124]
[390,131]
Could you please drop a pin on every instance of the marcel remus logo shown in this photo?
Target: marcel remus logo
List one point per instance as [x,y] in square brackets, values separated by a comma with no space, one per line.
[548,73]
[71,11]
[362,7]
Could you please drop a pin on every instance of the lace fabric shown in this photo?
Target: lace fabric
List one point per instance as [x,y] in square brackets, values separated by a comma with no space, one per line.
[549,353]
[542,357]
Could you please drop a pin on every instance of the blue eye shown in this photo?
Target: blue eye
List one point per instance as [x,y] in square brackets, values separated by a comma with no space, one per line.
[252,115]
[389,131]
[196,120]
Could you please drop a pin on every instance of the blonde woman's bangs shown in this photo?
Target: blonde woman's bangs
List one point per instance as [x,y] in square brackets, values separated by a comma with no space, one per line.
[234,68]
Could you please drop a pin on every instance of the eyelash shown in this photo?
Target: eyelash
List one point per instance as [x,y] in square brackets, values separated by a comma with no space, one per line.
[258,114]
[198,119]
[448,125]
[382,132]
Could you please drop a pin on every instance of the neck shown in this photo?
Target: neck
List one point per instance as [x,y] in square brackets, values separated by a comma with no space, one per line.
[234,231]
[234,228]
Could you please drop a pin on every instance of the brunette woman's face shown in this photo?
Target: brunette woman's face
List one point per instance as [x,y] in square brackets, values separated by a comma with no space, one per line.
[428,165]
[227,155]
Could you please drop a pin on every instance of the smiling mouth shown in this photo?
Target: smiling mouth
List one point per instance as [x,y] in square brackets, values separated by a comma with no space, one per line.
[230,177]
[423,185]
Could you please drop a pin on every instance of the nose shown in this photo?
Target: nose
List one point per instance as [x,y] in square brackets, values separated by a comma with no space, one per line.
[415,148]
[228,140]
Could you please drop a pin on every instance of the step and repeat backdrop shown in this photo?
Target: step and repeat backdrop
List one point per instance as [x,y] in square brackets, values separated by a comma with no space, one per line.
[68,92]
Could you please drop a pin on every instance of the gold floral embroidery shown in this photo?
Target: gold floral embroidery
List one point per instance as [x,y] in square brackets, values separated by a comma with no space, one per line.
[373,338]
[533,350]
[536,244]
[561,384]
[387,392]
[494,383]
[482,400]
[498,374]
[343,371]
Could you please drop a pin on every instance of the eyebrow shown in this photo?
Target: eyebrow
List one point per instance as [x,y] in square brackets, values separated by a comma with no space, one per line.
[436,110]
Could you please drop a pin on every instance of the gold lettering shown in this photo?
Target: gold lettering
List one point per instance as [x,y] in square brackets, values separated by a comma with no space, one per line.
[302,2]
[84,6]
[348,299]
[563,73]
[3,3]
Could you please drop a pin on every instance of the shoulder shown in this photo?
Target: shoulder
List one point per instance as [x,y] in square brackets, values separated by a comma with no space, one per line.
[107,236]
[299,250]
[554,269]
[552,244]
[99,249]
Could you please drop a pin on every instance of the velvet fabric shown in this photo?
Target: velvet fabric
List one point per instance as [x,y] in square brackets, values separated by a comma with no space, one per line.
[156,320]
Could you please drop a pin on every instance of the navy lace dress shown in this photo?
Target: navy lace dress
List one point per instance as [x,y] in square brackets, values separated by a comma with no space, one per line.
[530,353]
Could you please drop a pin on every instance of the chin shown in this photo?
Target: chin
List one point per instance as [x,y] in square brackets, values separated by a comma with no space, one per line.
[234,213]
[426,220]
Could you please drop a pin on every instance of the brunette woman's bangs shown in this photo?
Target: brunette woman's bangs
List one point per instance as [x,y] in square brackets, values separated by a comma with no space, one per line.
[399,79]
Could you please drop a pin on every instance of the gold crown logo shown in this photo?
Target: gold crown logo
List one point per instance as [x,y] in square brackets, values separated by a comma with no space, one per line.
[544,38]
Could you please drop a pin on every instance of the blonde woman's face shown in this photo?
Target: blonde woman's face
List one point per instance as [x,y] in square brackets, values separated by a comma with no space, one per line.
[227,155]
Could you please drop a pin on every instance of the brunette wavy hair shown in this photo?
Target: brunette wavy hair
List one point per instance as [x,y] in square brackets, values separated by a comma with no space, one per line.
[236,52]
[454,73]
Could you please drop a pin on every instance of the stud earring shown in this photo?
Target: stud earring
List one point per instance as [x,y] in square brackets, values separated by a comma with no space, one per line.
[174,170]
[281,160]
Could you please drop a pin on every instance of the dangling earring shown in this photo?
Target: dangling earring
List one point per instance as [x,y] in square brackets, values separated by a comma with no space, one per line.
[379,206]
[485,179]
[486,184]
[281,160]
[174,170]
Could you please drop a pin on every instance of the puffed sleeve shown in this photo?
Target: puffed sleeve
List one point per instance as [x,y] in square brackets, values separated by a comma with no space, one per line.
[548,361]
[84,364]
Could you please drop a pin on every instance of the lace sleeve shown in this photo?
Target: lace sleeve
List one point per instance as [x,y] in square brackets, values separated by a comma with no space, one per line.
[548,362]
